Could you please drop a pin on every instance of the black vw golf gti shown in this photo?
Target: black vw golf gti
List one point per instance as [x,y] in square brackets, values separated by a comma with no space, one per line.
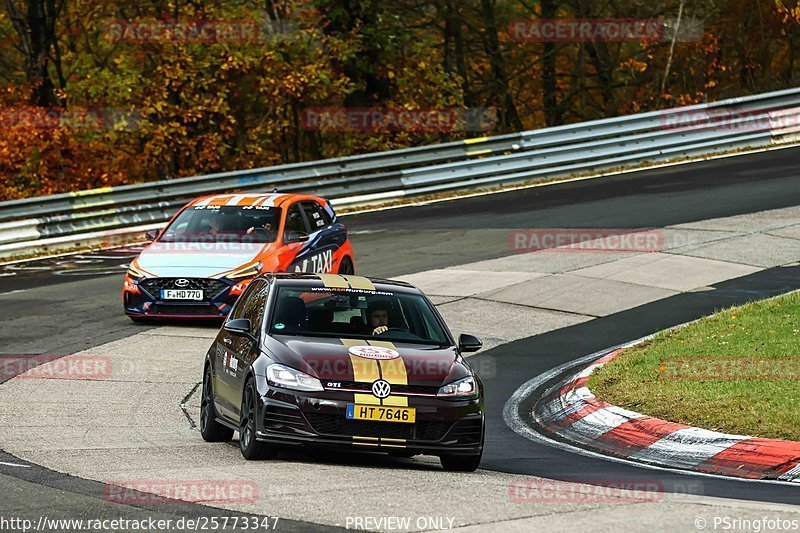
[342,361]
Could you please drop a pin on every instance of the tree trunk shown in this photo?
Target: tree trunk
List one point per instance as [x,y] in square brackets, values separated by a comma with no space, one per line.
[500,89]
[552,112]
[37,32]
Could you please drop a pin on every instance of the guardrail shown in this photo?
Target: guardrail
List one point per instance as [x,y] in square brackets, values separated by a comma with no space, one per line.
[575,149]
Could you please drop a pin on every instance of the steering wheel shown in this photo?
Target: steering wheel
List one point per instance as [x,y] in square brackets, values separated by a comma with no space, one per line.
[393,329]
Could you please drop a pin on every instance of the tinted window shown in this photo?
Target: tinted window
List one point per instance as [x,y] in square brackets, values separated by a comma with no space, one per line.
[356,314]
[254,308]
[294,221]
[316,215]
[224,224]
[241,304]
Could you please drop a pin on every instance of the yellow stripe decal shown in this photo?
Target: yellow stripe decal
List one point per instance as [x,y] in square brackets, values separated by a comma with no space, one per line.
[332,281]
[360,282]
[396,401]
[365,444]
[352,342]
[373,439]
[364,370]
[366,399]
[479,152]
[384,439]
[394,371]
[392,446]
[476,140]
[382,344]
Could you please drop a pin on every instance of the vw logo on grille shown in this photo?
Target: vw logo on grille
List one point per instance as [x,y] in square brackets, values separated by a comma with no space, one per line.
[181,283]
[381,388]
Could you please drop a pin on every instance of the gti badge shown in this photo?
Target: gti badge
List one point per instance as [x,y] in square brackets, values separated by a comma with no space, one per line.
[381,388]
[181,283]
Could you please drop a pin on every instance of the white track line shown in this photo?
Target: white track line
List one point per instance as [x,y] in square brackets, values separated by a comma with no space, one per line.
[14,464]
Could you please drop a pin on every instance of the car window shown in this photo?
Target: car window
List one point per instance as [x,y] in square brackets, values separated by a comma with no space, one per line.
[317,311]
[253,309]
[294,221]
[245,224]
[316,216]
[329,212]
[241,303]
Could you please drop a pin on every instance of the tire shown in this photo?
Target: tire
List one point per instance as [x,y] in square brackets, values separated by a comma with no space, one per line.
[460,463]
[346,266]
[251,449]
[210,429]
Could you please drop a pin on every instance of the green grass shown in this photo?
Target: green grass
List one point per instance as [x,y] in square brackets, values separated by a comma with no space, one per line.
[737,372]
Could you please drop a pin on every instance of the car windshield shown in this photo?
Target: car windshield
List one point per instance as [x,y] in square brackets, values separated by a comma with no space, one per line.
[244,224]
[358,314]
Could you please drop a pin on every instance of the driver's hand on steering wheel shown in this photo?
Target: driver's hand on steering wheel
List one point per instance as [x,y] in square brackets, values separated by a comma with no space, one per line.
[380,329]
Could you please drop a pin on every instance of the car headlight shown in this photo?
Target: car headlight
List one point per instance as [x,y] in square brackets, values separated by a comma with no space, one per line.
[465,388]
[247,271]
[289,378]
[134,272]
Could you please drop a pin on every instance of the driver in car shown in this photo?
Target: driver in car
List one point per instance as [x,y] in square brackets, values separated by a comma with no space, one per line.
[266,229]
[378,318]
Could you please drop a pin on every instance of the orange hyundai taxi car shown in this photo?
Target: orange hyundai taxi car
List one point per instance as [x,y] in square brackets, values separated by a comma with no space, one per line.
[199,264]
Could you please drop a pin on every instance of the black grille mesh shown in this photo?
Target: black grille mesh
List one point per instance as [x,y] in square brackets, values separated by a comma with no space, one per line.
[279,417]
[210,287]
[185,310]
[466,431]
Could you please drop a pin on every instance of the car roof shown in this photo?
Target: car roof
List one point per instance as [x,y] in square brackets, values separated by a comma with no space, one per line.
[251,198]
[341,282]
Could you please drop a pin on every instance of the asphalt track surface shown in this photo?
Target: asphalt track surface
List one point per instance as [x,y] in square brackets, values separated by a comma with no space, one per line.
[82,307]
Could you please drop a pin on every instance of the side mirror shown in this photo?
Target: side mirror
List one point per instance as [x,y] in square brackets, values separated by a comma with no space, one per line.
[296,236]
[241,327]
[469,343]
[152,235]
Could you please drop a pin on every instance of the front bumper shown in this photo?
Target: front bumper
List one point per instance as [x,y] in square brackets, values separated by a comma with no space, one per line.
[318,420]
[142,298]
